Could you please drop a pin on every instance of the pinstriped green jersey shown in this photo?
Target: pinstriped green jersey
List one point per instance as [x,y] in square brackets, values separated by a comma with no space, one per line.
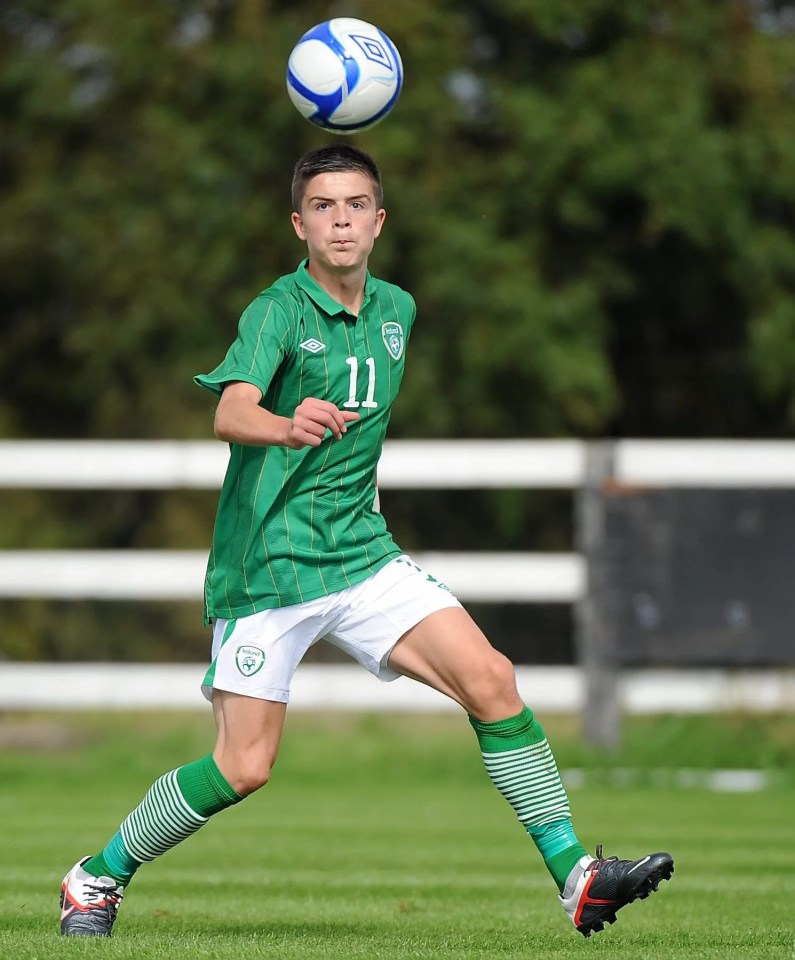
[293,525]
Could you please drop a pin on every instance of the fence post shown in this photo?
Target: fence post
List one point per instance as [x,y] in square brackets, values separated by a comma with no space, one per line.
[601,720]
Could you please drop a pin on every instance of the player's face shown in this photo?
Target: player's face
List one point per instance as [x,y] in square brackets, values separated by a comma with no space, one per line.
[339,220]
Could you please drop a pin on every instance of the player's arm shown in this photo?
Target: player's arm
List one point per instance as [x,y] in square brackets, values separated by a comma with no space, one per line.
[239,418]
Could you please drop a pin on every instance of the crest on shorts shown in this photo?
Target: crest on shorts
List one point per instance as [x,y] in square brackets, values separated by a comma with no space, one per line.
[393,338]
[249,660]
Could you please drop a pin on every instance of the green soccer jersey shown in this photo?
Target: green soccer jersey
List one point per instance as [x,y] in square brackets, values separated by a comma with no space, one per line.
[293,525]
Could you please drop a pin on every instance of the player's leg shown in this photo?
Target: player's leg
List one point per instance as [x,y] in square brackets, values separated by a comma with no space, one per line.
[254,659]
[447,651]
[403,621]
[181,801]
[249,734]
[176,805]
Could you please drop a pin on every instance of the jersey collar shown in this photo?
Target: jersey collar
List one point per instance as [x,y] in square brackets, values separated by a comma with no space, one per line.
[323,300]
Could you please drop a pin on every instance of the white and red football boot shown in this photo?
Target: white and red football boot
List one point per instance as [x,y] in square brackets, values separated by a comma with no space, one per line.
[88,904]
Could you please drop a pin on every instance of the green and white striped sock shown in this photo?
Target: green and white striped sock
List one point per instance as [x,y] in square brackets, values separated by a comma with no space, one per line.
[521,766]
[174,808]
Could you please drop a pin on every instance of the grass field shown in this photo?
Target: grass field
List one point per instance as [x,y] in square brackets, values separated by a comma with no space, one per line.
[381,837]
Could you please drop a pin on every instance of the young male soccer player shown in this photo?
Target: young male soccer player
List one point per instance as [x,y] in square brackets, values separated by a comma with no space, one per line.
[301,553]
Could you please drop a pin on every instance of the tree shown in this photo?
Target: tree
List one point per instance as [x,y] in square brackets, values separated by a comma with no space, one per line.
[592,202]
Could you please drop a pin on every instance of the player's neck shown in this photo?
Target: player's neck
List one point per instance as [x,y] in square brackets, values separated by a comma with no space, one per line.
[345,287]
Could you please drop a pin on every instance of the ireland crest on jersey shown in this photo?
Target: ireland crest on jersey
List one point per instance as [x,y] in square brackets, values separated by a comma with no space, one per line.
[393,338]
[249,660]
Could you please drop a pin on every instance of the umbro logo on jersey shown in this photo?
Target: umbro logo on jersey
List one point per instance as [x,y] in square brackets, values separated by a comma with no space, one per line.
[312,345]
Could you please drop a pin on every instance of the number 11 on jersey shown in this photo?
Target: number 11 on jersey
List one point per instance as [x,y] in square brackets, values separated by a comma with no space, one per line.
[369,400]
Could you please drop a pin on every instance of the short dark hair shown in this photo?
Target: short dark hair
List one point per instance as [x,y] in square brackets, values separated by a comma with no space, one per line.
[335,158]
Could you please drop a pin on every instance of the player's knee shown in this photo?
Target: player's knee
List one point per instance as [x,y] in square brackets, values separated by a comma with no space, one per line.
[250,773]
[495,691]
[250,778]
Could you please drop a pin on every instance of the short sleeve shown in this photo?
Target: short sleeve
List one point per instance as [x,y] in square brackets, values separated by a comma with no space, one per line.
[263,338]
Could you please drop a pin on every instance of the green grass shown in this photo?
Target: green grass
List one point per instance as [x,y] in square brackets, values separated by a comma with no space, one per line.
[381,837]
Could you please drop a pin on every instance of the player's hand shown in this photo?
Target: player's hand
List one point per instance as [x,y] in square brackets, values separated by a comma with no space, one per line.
[312,418]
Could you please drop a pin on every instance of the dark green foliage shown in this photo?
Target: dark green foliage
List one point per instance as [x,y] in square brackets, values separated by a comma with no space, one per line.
[593,204]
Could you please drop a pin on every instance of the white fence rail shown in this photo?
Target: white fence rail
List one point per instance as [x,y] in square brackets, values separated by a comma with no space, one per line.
[160,464]
[406,464]
[559,689]
[179,575]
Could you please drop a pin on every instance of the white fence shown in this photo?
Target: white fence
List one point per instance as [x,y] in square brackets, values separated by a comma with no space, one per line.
[447,464]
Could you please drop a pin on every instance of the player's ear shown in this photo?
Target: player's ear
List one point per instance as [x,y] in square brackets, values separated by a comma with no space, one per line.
[298,225]
[380,216]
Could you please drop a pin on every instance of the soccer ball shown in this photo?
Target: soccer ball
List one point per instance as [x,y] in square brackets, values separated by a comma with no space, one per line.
[344,75]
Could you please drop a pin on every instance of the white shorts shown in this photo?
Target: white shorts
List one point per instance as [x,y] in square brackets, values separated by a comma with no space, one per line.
[257,655]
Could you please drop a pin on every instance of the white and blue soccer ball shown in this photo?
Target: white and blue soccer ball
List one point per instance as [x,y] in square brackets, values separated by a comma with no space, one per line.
[344,75]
